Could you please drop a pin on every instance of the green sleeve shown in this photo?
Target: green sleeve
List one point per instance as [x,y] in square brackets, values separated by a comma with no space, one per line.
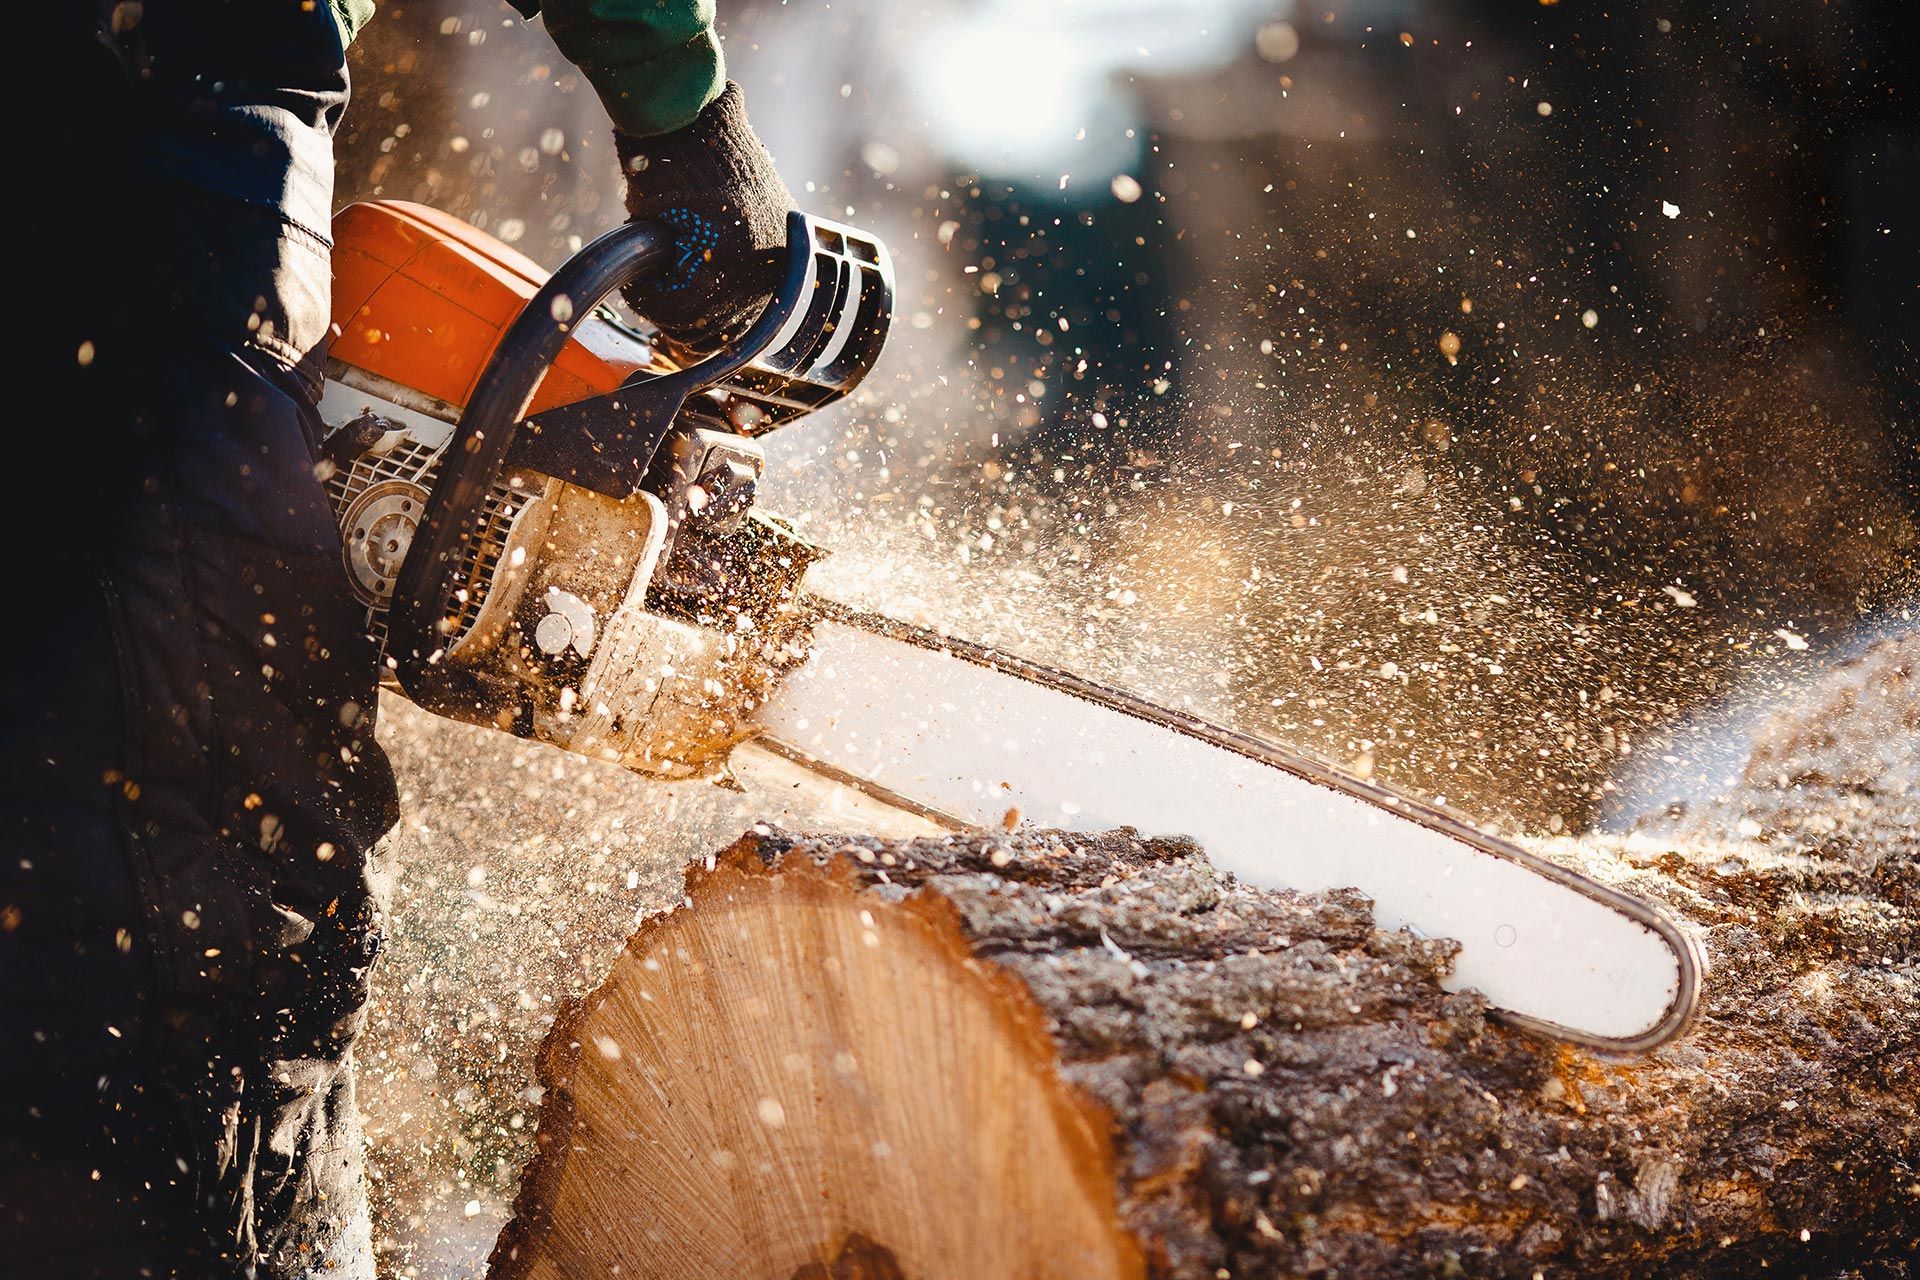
[655,63]
[350,16]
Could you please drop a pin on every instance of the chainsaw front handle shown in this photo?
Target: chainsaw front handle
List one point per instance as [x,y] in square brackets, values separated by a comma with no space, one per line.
[821,333]
[417,636]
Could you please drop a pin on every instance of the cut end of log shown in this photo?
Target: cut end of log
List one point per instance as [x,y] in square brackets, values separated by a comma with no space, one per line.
[992,1057]
[808,1073]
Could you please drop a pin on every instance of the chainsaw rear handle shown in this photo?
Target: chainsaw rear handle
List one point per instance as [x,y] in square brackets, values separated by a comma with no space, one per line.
[817,338]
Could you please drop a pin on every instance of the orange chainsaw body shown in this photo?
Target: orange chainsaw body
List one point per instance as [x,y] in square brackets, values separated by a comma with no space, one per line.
[421,299]
[561,570]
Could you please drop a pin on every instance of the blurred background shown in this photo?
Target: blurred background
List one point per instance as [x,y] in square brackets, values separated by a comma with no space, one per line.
[1509,401]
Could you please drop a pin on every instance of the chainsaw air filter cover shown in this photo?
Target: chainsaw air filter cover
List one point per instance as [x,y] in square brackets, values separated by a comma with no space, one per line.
[550,522]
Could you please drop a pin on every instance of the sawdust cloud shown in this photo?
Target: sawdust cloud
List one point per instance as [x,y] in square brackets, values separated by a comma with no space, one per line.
[1416,470]
[1432,442]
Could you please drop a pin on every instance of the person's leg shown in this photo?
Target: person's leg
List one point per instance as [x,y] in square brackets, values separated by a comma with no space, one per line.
[189,795]
[189,790]
[87,1184]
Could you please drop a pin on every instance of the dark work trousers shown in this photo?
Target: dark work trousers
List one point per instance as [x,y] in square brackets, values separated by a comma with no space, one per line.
[189,790]
[187,909]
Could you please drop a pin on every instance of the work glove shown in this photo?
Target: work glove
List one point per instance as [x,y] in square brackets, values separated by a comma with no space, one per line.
[714,184]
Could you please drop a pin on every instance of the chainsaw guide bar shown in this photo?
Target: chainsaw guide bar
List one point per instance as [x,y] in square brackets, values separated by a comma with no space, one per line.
[972,737]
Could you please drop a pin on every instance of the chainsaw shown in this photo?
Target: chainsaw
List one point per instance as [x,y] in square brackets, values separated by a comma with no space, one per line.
[552,523]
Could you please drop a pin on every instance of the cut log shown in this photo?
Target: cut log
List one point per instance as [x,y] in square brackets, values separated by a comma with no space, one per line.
[843,1060]
[1038,1055]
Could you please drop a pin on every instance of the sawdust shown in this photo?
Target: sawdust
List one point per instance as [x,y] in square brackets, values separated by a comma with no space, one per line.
[1392,1128]
[519,872]
[1537,504]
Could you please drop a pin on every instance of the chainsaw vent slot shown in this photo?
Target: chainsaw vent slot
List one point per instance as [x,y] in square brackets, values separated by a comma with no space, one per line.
[496,518]
[414,463]
[410,460]
[828,344]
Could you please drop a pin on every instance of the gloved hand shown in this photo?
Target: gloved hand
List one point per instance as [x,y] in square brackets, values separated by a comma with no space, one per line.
[715,185]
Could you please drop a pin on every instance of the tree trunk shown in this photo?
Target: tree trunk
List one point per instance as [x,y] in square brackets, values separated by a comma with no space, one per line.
[1041,1055]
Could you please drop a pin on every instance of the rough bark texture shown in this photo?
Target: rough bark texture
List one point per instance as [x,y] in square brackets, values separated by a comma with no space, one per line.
[1149,965]
[1391,1130]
